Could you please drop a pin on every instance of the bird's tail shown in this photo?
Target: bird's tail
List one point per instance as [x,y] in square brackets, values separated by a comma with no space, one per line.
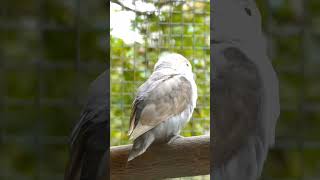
[140,145]
[247,164]
[72,171]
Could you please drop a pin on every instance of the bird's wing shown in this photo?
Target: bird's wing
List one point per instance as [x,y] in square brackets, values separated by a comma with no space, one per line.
[236,102]
[89,138]
[158,101]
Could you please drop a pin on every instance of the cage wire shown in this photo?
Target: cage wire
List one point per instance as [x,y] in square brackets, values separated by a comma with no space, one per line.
[51,51]
[45,54]
[132,64]
[291,28]
[164,26]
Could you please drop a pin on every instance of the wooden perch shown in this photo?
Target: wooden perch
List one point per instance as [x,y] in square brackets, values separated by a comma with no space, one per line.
[187,156]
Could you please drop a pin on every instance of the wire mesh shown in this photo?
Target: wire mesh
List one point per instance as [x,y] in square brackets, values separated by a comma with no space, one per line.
[54,48]
[174,26]
[45,73]
[292,32]
[131,64]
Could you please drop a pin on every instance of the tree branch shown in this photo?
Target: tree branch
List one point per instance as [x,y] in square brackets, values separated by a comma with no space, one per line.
[149,13]
[129,9]
[187,156]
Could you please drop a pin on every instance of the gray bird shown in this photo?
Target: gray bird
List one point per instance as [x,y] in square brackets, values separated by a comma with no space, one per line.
[89,140]
[245,92]
[163,104]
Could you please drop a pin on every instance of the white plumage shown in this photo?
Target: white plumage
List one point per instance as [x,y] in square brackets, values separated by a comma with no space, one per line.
[163,104]
[245,92]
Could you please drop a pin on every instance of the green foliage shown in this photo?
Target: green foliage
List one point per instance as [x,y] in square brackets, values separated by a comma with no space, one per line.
[34,132]
[49,32]
[183,28]
[294,57]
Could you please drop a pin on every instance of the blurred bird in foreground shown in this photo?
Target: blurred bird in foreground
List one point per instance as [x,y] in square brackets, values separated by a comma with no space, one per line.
[163,104]
[245,92]
[89,140]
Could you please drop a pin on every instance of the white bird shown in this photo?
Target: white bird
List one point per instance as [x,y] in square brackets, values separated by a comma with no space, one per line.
[163,104]
[245,92]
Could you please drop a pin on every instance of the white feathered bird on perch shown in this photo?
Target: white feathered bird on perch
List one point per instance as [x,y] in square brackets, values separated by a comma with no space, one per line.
[163,104]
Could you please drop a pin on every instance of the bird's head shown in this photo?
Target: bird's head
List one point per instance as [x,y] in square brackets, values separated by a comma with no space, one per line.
[175,62]
[235,20]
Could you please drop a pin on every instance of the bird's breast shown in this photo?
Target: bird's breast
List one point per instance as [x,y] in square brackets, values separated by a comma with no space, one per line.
[173,125]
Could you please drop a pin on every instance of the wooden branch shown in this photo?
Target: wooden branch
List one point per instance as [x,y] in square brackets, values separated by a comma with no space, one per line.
[187,156]
[149,13]
[127,8]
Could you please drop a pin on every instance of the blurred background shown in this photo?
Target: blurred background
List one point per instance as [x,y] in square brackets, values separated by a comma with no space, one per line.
[52,49]
[293,31]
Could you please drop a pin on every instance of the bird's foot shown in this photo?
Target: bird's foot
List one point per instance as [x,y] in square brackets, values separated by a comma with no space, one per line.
[173,138]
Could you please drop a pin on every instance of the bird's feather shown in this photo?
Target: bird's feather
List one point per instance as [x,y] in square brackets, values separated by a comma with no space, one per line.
[245,91]
[237,91]
[89,138]
[163,98]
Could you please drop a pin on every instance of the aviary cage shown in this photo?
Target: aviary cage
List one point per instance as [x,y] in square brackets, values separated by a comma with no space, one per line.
[140,31]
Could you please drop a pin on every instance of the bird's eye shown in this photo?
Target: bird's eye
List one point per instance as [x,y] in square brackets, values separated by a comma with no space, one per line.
[248,11]
[187,64]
